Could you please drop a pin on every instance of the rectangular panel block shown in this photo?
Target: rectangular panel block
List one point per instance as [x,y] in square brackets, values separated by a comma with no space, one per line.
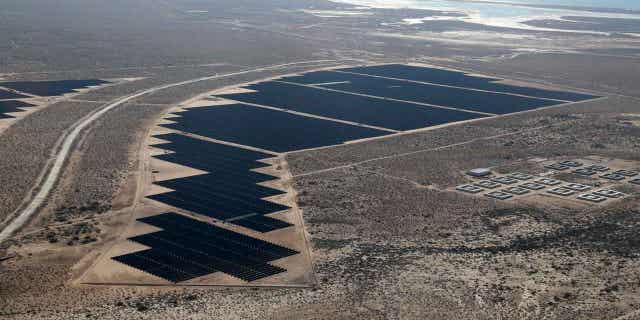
[262,223]
[489,102]
[11,106]
[50,88]
[461,79]
[267,129]
[187,249]
[4,94]
[228,192]
[359,109]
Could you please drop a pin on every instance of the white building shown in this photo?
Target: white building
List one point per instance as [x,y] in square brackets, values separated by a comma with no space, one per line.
[479,172]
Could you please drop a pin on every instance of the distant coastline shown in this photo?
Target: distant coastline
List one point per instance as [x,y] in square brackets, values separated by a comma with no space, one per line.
[518,15]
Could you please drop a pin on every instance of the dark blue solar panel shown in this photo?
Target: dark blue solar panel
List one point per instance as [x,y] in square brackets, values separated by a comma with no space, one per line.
[267,129]
[261,223]
[181,224]
[359,109]
[229,191]
[142,261]
[461,79]
[187,249]
[211,184]
[183,143]
[12,106]
[4,94]
[221,206]
[50,88]
[207,164]
[488,102]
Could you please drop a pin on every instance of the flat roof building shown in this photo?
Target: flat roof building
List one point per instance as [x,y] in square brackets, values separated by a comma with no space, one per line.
[479,172]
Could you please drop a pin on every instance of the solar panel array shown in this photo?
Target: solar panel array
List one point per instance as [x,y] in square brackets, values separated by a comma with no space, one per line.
[472,100]
[38,88]
[337,106]
[461,79]
[186,249]
[51,88]
[360,109]
[5,94]
[229,192]
[266,128]
[11,106]
[400,97]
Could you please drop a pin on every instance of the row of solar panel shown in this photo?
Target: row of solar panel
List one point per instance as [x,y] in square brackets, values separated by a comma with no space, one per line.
[461,79]
[46,88]
[184,144]
[355,108]
[267,129]
[181,224]
[343,83]
[12,106]
[403,91]
[5,95]
[38,88]
[187,249]
[394,97]
[230,192]
[221,206]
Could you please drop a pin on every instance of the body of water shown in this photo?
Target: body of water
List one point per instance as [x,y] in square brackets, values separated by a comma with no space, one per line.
[617,4]
[509,14]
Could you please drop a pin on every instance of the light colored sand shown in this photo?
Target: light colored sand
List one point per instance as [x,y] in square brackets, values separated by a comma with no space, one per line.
[209,103]
[235,90]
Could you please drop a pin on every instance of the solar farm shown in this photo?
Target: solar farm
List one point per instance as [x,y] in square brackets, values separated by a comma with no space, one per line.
[320,159]
[219,207]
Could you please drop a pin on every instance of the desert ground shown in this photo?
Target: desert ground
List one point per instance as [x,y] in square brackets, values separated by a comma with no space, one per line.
[384,233]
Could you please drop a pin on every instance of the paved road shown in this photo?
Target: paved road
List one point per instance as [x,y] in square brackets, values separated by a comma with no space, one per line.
[69,141]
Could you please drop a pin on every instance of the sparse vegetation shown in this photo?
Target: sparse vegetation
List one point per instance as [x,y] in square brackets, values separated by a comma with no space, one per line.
[26,146]
[387,242]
